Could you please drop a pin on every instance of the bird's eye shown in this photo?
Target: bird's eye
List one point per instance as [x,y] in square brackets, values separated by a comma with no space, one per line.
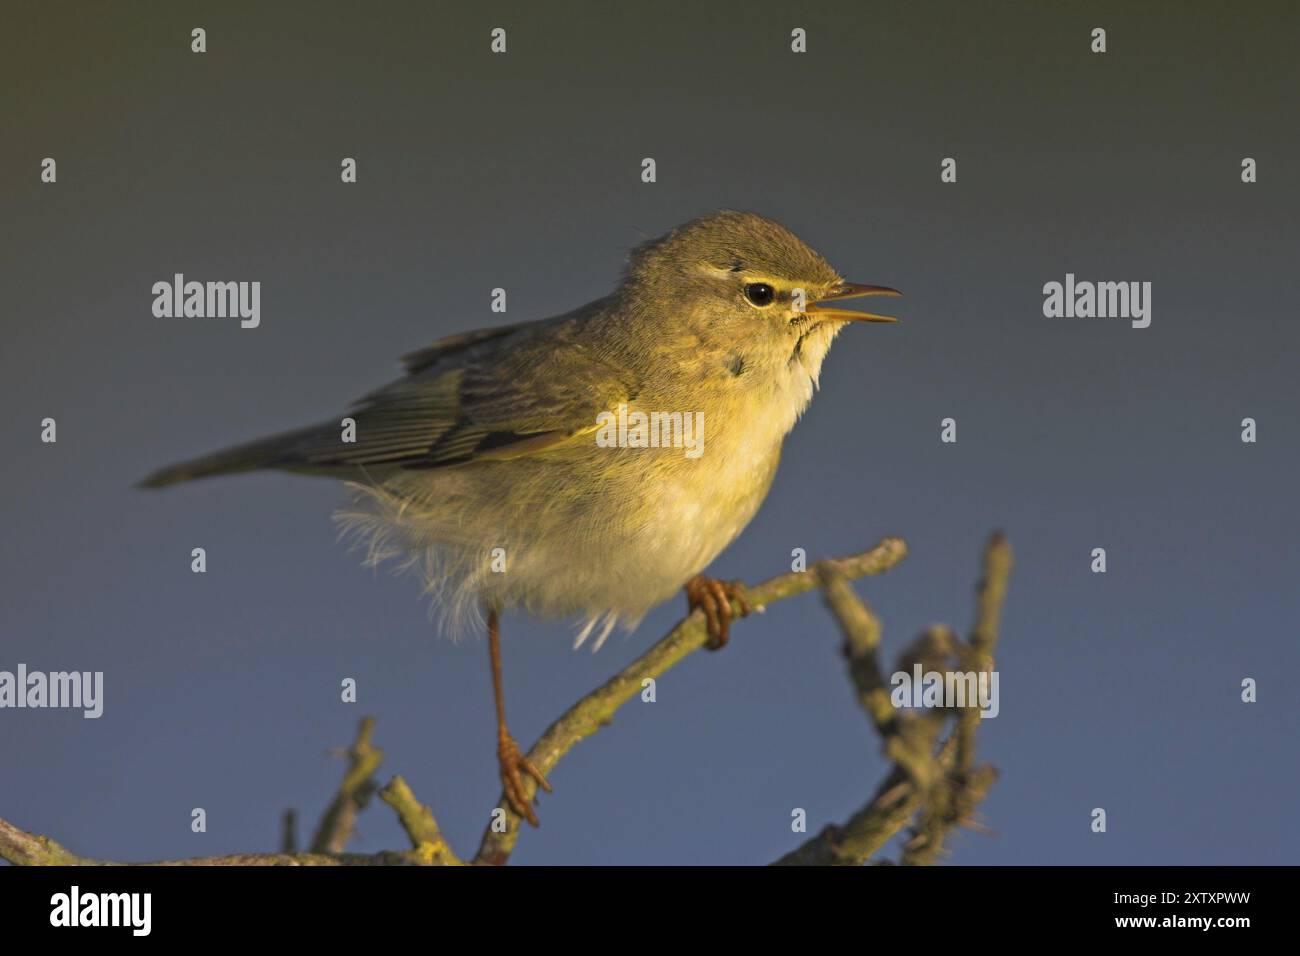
[760,293]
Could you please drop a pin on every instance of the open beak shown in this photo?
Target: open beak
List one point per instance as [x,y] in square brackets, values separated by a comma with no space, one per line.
[851,290]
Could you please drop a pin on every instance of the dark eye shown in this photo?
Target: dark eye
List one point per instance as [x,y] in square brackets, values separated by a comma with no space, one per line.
[760,293]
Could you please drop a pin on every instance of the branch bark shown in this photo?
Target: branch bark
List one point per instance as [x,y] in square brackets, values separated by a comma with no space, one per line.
[427,841]
[29,849]
[335,827]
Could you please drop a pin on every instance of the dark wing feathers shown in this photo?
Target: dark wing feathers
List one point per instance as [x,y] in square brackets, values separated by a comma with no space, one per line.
[421,359]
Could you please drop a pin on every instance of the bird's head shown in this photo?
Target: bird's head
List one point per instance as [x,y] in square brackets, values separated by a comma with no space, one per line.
[745,285]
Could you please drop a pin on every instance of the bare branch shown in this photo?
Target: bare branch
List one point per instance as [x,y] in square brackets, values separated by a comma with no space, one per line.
[954,801]
[861,628]
[990,594]
[430,846]
[943,788]
[870,828]
[28,849]
[335,828]
[597,709]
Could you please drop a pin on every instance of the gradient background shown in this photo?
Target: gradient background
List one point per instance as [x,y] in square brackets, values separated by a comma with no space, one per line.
[222,690]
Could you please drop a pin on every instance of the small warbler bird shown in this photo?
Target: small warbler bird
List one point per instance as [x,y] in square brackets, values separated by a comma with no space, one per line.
[588,465]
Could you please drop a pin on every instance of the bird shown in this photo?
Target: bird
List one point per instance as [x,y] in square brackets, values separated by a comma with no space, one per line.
[493,469]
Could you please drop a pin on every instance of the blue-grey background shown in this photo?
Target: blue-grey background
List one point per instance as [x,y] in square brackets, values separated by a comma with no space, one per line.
[522,171]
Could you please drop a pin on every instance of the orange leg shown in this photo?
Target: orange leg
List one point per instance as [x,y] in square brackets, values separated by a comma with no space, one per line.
[510,757]
[717,599]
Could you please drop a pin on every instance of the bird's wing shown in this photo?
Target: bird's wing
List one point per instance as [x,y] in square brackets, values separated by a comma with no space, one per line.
[488,395]
[422,359]
[482,396]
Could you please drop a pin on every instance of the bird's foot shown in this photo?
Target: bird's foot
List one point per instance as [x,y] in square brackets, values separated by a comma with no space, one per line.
[512,761]
[720,601]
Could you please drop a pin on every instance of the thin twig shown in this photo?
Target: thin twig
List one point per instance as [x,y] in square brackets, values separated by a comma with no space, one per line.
[335,828]
[417,820]
[289,831]
[941,788]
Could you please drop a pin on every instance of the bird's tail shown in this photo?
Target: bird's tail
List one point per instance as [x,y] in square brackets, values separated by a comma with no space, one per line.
[278,451]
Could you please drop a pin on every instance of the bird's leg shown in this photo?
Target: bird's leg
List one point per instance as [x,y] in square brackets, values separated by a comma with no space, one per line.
[721,601]
[510,757]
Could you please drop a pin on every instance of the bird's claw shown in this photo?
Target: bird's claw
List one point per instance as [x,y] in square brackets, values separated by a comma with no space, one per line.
[512,761]
[720,601]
